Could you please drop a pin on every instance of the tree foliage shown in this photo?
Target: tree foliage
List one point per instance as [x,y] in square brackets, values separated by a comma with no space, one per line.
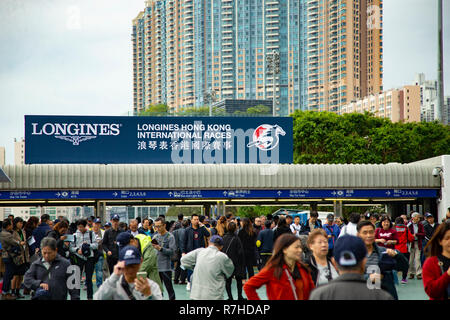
[156,109]
[325,137]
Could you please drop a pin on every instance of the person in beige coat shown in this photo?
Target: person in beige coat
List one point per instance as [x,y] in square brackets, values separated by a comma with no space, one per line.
[211,269]
[10,249]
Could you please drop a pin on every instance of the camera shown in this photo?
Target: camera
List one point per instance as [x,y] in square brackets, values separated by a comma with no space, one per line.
[436,171]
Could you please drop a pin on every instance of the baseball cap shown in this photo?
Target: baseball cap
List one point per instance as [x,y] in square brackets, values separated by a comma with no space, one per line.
[108,224]
[115,217]
[330,216]
[216,240]
[97,220]
[427,215]
[349,251]
[123,239]
[130,254]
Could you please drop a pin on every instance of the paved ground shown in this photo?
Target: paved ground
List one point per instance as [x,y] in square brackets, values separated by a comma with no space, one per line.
[413,290]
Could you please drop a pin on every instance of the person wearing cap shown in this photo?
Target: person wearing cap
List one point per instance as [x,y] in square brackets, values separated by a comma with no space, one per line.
[83,247]
[381,262]
[148,253]
[350,254]
[332,231]
[123,284]
[211,269]
[99,265]
[165,248]
[417,229]
[109,243]
[107,226]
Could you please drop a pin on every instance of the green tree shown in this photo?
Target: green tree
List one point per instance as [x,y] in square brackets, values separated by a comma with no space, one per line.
[154,110]
[259,109]
[325,137]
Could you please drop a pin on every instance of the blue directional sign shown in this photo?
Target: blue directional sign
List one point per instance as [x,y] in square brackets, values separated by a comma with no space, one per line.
[217,194]
[173,140]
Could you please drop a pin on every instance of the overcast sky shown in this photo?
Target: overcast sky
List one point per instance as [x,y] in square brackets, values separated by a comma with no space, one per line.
[73,57]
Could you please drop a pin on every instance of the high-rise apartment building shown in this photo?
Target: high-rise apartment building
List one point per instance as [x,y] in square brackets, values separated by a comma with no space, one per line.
[19,151]
[397,105]
[330,52]
[2,156]
[344,52]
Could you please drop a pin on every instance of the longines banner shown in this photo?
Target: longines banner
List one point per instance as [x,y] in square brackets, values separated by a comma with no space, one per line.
[98,139]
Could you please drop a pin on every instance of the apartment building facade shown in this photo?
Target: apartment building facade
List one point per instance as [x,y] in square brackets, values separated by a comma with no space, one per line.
[328,53]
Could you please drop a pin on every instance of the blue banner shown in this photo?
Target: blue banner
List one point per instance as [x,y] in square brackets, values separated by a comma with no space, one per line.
[218,194]
[173,140]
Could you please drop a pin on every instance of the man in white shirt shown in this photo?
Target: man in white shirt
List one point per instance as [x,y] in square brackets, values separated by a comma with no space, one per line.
[296,226]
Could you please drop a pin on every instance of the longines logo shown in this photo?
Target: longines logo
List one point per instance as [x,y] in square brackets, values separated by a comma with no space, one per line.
[76,132]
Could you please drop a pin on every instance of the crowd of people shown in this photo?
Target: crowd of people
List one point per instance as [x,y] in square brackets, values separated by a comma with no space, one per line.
[144,260]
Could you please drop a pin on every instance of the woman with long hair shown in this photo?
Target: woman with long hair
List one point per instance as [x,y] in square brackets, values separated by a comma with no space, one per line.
[233,248]
[436,269]
[22,261]
[248,236]
[30,225]
[285,276]
[221,226]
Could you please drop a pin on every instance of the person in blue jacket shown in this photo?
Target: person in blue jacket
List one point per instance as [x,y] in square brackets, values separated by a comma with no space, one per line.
[332,231]
[41,232]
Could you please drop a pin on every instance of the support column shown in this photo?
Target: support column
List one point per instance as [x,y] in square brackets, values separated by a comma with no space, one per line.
[337,208]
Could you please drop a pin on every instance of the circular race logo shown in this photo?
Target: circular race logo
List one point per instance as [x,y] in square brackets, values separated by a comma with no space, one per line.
[266,137]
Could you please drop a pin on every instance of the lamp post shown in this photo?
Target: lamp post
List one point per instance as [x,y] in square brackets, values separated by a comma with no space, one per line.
[273,63]
[210,96]
[440,107]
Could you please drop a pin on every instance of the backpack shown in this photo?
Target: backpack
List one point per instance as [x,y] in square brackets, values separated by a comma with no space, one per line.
[97,254]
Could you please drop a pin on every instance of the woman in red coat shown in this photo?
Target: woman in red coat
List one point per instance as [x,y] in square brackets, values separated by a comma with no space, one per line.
[436,269]
[285,276]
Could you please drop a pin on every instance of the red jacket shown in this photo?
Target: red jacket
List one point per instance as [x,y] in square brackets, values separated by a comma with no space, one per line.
[404,236]
[420,234]
[279,289]
[434,281]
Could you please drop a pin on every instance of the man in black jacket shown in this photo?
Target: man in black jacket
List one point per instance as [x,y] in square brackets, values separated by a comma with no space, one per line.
[49,276]
[109,243]
[312,223]
[196,236]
